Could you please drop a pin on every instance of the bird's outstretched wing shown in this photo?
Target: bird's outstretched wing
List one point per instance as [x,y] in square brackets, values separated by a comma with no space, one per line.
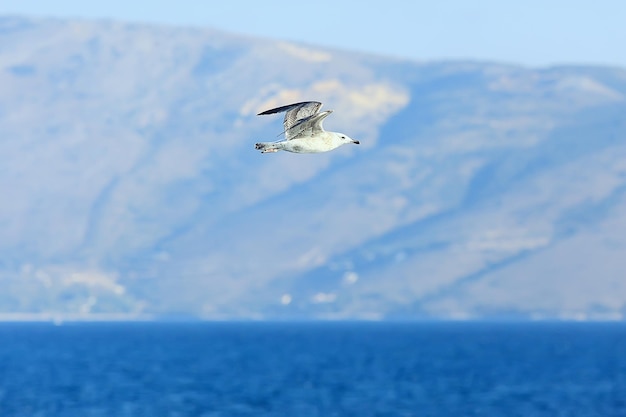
[300,118]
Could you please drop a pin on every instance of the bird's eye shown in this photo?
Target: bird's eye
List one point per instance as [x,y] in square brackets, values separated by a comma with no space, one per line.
[343,137]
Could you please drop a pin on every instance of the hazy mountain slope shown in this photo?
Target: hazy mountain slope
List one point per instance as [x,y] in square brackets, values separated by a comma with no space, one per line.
[130,184]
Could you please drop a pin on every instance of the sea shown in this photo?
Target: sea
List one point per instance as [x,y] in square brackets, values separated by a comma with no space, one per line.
[309,369]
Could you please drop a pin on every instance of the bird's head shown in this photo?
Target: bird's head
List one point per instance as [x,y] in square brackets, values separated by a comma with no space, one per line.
[346,139]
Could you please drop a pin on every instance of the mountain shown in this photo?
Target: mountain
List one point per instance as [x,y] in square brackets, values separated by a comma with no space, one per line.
[131,188]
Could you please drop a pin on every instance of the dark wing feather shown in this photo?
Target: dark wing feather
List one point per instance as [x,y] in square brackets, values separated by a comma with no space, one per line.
[307,104]
[296,113]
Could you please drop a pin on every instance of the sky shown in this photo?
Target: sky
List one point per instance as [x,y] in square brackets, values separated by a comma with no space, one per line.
[534,33]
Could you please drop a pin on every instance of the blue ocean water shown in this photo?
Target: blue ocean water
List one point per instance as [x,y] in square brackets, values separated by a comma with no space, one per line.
[313,369]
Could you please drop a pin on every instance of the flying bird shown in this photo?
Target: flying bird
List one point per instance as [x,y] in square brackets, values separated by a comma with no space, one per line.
[303,130]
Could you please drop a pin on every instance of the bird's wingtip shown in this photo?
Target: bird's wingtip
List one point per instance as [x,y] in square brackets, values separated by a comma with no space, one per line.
[289,107]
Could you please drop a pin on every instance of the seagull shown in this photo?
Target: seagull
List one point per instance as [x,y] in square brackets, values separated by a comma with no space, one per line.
[303,130]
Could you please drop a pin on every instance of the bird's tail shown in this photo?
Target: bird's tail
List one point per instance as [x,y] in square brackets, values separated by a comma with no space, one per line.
[266,147]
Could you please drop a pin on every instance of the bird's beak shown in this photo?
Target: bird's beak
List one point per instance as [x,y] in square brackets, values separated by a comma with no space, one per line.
[356,142]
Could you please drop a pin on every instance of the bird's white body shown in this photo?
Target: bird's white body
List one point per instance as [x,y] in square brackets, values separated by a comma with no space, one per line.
[323,142]
[303,130]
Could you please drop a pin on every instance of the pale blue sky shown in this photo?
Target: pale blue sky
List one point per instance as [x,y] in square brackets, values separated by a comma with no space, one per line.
[529,32]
